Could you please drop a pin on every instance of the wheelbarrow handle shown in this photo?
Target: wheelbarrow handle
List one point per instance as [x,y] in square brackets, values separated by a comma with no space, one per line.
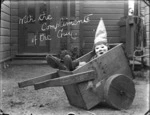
[32,81]
[42,78]
[67,80]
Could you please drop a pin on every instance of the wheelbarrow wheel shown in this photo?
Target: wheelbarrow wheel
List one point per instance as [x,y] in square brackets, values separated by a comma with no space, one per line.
[119,91]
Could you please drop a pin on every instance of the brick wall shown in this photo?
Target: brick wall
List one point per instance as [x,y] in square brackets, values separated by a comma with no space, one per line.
[5,31]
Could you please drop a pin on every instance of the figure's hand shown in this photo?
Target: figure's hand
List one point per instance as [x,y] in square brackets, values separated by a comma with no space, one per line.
[90,85]
[81,64]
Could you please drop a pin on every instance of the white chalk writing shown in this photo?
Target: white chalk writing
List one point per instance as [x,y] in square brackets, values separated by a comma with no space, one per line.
[75,22]
[43,37]
[44,17]
[58,27]
[26,19]
[61,34]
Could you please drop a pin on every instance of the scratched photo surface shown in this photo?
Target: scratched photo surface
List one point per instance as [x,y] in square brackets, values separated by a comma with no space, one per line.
[33,29]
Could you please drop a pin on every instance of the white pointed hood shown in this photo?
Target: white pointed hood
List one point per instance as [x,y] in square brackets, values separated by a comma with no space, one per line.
[101,34]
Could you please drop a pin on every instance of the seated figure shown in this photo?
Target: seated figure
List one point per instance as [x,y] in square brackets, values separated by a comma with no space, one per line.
[66,63]
[100,41]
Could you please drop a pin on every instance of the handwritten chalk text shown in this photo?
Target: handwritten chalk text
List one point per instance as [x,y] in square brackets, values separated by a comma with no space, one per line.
[46,27]
[58,27]
[29,19]
[43,37]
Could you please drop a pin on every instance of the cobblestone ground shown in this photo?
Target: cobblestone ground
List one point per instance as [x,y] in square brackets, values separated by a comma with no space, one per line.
[53,101]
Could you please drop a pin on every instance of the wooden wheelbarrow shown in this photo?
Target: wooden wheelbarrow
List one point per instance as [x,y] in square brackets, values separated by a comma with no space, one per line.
[109,77]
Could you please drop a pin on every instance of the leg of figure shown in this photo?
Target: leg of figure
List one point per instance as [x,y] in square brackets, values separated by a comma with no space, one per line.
[71,65]
[55,62]
[68,62]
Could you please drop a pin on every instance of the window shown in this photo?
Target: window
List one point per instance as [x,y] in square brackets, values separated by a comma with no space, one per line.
[69,8]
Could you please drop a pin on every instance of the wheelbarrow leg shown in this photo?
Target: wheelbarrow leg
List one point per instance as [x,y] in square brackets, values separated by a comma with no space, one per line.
[67,80]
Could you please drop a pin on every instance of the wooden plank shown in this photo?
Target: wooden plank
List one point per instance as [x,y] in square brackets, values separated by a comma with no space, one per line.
[67,80]
[5,9]
[14,12]
[114,39]
[5,16]
[4,47]
[104,4]
[5,32]
[4,39]
[14,52]
[147,18]
[110,39]
[147,10]
[75,42]
[106,22]
[14,4]
[38,79]
[5,24]
[105,16]
[74,96]
[76,27]
[93,28]
[147,27]
[81,16]
[14,33]
[109,34]
[14,19]
[102,11]
[148,36]
[7,3]
[77,5]
[77,13]
[14,40]
[4,55]
[85,51]
[55,42]
[126,9]
[64,72]
[14,46]
[86,57]
[143,4]
[130,44]
[14,26]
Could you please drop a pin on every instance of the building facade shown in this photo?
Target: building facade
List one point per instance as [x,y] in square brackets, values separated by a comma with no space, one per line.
[51,26]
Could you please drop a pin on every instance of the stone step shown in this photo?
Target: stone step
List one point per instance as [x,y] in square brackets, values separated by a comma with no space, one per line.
[27,62]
